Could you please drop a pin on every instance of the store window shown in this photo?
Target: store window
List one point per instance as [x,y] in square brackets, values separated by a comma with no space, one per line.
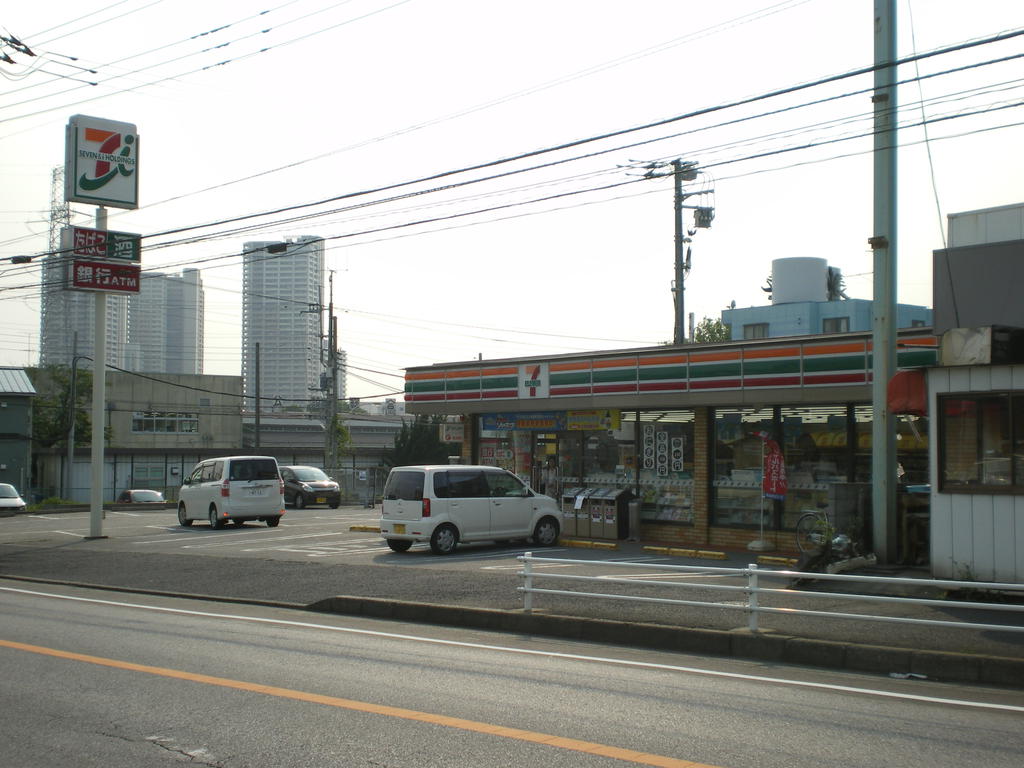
[835,325]
[815,447]
[665,461]
[738,459]
[982,441]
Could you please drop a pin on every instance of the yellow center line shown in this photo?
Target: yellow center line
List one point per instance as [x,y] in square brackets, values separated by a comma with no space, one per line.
[575,745]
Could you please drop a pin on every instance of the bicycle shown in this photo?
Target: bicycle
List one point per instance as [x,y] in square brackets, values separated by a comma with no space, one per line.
[814,531]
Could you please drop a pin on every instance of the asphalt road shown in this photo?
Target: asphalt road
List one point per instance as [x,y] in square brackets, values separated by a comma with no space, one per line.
[314,555]
[97,679]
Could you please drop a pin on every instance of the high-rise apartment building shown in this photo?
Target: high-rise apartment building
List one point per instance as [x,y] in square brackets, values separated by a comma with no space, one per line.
[165,324]
[282,287]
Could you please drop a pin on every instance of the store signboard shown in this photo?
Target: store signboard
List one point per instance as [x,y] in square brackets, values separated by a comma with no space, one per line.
[536,421]
[534,381]
[600,418]
[101,162]
[553,421]
[104,276]
[101,244]
[453,433]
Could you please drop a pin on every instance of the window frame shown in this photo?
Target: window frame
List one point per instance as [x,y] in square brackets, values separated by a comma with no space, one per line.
[840,320]
[756,331]
[1014,401]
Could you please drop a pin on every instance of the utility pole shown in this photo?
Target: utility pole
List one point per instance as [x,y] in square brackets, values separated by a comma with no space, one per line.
[331,390]
[679,287]
[73,396]
[681,171]
[883,247]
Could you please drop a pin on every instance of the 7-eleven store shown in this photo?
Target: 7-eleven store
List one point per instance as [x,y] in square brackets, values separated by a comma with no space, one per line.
[676,429]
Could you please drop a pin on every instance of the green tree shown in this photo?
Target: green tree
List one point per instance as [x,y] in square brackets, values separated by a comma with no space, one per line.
[50,408]
[709,331]
[418,442]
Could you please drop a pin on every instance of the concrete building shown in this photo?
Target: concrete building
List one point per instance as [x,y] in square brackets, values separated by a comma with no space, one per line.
[282,288]
[807,297]
[975,504]
[159,428]
[66,314]
[165,324]
[16,395]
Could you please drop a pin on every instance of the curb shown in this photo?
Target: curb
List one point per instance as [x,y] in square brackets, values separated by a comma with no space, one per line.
[741,643]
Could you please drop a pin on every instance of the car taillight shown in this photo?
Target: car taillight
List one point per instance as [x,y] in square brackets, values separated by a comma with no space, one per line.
[426,508]
[225,488]
[280,487]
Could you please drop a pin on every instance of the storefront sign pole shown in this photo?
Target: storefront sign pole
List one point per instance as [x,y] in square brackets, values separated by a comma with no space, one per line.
[99,365]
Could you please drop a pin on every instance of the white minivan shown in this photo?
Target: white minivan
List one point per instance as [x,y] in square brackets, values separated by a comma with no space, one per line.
[446,504]
[232,488]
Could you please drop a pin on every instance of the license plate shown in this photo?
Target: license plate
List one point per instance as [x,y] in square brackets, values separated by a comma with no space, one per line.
[257,491]
[321,499]
[399,527]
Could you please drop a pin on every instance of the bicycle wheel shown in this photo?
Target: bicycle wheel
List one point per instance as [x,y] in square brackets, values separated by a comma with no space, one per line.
[811,533]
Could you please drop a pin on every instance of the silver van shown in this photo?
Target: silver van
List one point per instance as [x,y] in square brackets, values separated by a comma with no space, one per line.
[446,504]
[232,488]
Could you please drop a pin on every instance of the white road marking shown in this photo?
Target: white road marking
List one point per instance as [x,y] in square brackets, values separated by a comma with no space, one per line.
[530,652]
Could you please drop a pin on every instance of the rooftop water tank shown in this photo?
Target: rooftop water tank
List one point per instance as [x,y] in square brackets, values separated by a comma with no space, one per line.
[799,278]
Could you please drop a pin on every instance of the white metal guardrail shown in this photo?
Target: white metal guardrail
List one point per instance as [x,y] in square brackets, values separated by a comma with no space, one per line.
[752,590]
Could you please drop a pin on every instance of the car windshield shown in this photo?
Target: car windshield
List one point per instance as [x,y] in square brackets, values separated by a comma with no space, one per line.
[147,496]
[310,474]
[8,491]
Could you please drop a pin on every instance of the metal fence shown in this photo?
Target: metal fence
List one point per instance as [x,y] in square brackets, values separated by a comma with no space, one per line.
[752,590]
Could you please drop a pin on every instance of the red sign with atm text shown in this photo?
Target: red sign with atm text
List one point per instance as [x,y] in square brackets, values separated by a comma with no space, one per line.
[105,276]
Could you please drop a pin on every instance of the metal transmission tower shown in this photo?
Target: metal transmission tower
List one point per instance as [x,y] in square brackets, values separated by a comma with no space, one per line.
[56,304]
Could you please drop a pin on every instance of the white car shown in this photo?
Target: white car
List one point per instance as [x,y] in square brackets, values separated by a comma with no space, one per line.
[10,499]
[446,504]
[232,489]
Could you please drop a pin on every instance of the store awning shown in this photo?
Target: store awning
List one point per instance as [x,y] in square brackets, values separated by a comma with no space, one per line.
[908,393]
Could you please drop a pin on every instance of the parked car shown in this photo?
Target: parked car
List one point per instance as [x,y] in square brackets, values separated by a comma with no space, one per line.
[308,485]
[235,488]
[139,496]
[10,499]
[448,504]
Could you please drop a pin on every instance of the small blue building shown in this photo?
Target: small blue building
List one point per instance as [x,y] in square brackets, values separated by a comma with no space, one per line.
[808,297]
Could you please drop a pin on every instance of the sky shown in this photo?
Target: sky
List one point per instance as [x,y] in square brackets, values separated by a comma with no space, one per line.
[476,168]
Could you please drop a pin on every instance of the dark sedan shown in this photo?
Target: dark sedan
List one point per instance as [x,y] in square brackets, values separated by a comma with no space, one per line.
[308,485]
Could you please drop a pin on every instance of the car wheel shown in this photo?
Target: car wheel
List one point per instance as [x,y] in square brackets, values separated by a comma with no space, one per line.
[444,540]
[546,532]
[273,521]
[215,521]
[335,505]
[399,545]
[182,519]
[299,502]
[239,523]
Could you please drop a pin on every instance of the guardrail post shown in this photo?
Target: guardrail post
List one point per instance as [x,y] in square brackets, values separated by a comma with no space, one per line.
[527,582]
[752,597]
